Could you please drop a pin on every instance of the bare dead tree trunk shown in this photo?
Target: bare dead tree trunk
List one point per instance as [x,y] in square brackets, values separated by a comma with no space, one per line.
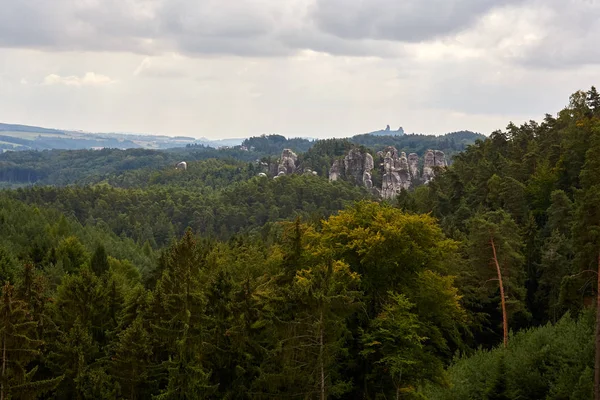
[597,361]
[502,300]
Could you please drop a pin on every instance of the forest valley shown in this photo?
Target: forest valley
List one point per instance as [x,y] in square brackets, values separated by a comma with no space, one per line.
[125,278]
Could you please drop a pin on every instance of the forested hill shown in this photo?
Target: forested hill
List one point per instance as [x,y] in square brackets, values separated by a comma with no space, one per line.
[15,137]
[217,282]
[63,167]
[449,143]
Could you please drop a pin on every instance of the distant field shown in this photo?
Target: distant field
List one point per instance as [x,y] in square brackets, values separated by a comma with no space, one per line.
[43,138]
[31,135]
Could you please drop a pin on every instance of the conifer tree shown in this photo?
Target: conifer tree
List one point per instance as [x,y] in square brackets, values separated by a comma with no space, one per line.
[178,307]
[328,294]
[593,100]
[494,248]
[99,262]
[18,347]
[71,355]
[131,360]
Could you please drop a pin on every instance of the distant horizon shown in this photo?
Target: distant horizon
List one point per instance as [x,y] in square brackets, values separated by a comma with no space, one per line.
[241,137]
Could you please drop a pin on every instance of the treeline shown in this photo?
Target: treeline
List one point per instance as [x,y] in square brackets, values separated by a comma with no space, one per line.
[161,212]
[84,167]
[274,144]
[450,143]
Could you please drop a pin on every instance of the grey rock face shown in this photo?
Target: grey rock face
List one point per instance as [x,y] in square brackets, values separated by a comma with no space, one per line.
[181,165]
[287,162]
[335,171]
[396,174]
[398,171]
[413,166]
[356,166]
[433,159]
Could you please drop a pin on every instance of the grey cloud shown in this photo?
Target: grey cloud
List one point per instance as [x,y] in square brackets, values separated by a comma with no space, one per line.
[204,18]
[379,28]
[400,20]
[140,26]
[571,36]
[240,27]
[314,39]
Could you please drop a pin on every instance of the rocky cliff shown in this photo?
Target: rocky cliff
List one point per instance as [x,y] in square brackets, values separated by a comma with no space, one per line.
[358,166]
[396,174]
[397,170]
[413,165]
[287,162]
[355,167]
[433,159]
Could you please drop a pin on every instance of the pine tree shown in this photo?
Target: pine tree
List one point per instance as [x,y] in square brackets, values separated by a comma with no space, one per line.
[593,100]
[178,308]
[131,360]
[84,297]
[17,349]
[328,294]
[494,248]
[99,261]
[8,267]
[71,355]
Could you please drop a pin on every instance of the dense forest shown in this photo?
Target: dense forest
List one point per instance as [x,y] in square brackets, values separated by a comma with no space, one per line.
[123,277]
[67,167]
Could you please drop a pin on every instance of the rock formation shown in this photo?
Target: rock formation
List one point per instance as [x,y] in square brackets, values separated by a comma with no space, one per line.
[356,167]
[287,162]
[356,163]
[181,165]
[335,172]
[397,170]
[433,159]
[413,166]
[396,174]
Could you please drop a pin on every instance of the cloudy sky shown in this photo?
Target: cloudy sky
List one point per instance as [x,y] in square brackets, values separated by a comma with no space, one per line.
[234,68]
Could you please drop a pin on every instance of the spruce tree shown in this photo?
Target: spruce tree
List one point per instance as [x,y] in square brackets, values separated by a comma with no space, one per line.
[179,317]
[99,261]
[130,362]
[18,347]
[494,249]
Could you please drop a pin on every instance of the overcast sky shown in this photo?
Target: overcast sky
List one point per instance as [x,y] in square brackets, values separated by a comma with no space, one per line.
[319,68]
